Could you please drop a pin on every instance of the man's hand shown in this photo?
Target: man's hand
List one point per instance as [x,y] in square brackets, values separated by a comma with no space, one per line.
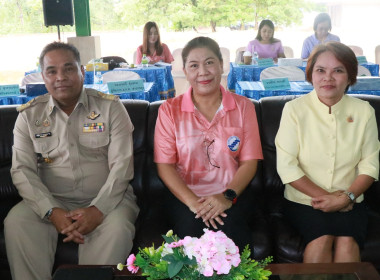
[61,221]
[85,220]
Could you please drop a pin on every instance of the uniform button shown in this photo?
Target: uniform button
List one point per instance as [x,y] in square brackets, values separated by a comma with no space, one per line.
[329,171]
[332,154]
[71,145]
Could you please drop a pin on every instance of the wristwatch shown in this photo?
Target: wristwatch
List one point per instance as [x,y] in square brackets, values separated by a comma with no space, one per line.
[48,214]
[350,195]
[231,195]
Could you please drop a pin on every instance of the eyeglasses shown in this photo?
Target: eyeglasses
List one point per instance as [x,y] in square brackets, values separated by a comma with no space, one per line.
[208,154]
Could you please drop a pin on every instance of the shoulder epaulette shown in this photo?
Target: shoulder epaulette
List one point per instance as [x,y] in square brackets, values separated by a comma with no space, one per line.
[100,94]
[38,99]
[108,96]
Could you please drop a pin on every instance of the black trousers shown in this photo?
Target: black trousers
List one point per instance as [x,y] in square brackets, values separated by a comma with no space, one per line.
[236,224]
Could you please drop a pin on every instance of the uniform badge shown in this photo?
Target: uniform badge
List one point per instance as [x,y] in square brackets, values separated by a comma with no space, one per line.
[46,123]
[43,135]
[350,119]
[37,123]
[233,143]
[41,158]
[93,115]
[93,127]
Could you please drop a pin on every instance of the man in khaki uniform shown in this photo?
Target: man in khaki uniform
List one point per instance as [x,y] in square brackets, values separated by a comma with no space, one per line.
[72,163]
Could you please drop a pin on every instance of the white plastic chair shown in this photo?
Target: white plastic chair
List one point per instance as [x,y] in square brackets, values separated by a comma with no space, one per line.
[31,78]
[362,71]
[226,65]
[116,76]
[377,54]
[293,73]
[288,51]
[180,82]
[239,54]
[356,49]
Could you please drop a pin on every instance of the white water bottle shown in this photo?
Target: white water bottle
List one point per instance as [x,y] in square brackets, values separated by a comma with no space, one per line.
[255,58]
[98,78]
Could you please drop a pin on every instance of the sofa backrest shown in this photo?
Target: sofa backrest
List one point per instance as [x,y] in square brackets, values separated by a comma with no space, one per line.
[138,112]
[372,195]
[271,111]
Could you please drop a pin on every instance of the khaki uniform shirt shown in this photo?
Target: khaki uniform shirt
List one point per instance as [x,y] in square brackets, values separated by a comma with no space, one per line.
[331,149]
[73,161]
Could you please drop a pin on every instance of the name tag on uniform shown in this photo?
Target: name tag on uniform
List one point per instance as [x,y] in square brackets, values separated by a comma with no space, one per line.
[43,135]
[93,127]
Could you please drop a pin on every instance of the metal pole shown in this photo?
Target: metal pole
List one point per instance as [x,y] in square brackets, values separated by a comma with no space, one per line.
[59,33]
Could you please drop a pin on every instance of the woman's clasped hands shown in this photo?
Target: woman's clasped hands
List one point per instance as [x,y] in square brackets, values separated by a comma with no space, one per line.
[332,202]
[211,209]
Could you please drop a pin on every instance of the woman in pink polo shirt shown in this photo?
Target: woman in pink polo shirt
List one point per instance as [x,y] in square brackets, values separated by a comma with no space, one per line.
[152,46]
[207,146]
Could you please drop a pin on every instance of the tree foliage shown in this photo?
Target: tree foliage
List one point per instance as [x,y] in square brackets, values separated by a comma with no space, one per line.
[26,16]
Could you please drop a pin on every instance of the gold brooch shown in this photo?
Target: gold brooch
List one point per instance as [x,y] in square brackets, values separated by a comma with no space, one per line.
[93,115]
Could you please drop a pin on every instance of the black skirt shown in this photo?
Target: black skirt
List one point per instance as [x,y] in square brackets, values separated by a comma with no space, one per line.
[312,223]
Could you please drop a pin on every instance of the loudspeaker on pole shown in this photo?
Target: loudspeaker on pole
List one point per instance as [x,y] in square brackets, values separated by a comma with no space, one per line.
[58,12]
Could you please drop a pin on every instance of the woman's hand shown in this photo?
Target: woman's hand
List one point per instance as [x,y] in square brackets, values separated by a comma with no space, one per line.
[211,209]
[333,202]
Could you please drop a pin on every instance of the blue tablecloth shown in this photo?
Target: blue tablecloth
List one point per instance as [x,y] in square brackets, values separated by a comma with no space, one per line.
[161,76]
[255,90]
[150,94]
[252,73]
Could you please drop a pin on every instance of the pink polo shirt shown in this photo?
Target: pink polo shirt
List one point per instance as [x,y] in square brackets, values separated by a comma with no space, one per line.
[166,55]
[185,137]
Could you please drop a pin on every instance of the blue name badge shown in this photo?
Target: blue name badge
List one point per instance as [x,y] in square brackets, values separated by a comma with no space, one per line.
[276,84]
[361,59]
[9,90]
[265,62]
[126,86]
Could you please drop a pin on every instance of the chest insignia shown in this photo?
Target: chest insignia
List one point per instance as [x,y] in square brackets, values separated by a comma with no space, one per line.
[46,123]
[93,115]
[350,119]
[233,143]
[43,135]
[37,123]
[93,127]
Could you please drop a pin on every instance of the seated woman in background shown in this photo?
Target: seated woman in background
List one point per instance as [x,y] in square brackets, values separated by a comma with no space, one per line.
[322,26]
[206,147]
[265,44]
[152,46]
[328,156]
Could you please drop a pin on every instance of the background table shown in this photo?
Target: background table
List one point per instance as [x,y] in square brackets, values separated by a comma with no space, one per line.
[255,90]
[252,73]
[160,75]
[150,94]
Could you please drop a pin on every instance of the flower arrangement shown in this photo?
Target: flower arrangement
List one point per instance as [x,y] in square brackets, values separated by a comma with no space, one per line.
[212,256]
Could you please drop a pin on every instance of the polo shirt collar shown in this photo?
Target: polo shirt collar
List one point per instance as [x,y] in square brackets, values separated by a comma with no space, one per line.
[228,101]
[324,108]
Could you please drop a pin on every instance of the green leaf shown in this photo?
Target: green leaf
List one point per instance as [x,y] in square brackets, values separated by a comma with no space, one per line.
[170,258]
[174,268]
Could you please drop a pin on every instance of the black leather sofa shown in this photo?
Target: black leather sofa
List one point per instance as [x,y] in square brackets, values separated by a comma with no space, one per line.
[272,234]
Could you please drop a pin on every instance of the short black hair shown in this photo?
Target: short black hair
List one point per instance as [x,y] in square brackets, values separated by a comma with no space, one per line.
[59,46]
